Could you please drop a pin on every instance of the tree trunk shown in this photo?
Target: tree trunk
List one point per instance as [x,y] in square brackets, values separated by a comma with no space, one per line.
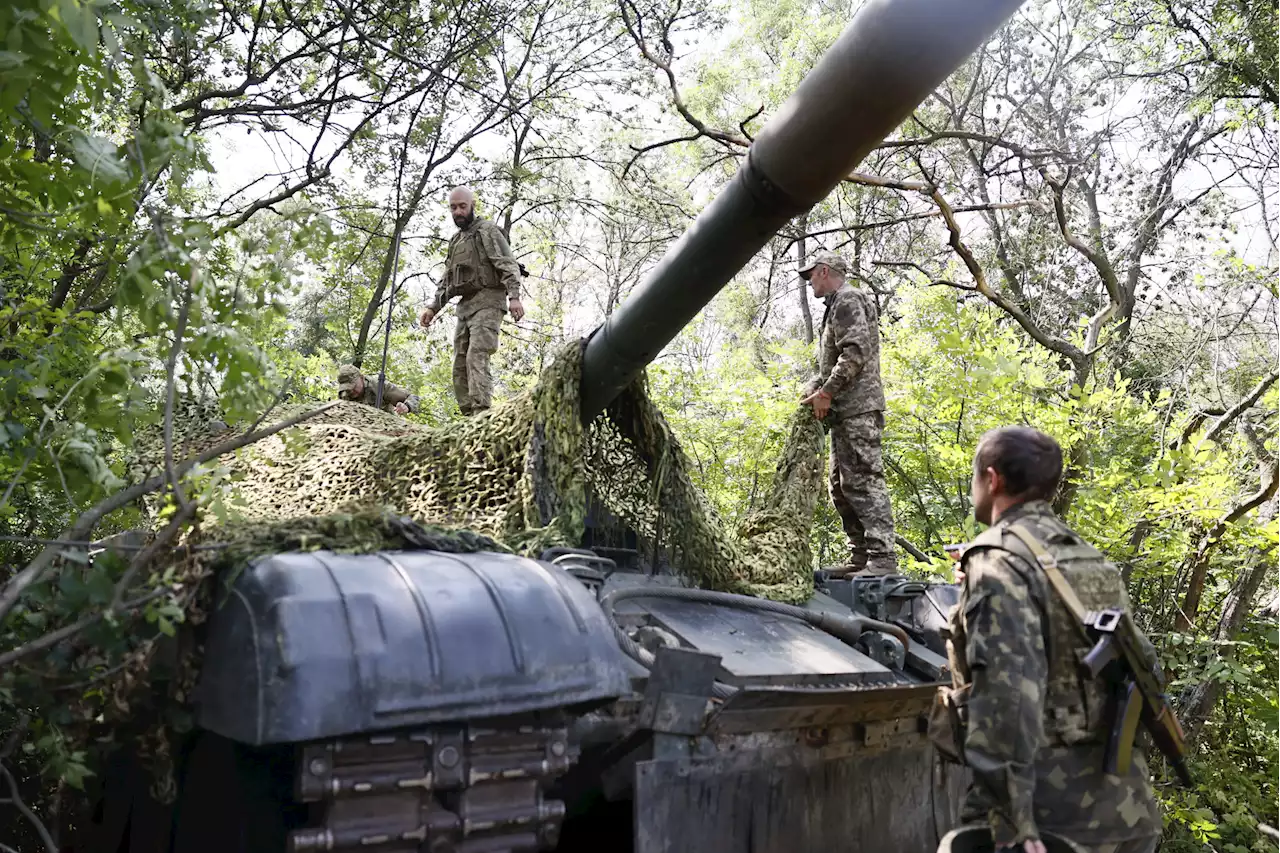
[803,225]
[388,267]
[1197,701]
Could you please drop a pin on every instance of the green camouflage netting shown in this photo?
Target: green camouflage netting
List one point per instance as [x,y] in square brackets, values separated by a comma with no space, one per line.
[357,480]
[520,473]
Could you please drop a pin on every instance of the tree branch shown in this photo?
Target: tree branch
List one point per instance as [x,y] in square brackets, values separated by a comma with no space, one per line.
[1240,408]
[89,519]
[1057,345]
[25,810]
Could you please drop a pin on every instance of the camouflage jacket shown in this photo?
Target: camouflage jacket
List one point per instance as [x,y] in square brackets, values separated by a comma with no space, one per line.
[1036,731]
[391,394]
[849,353]
[479,259]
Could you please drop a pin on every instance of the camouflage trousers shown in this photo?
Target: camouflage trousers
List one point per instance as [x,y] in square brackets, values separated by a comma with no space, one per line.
[475,340]
[859,493]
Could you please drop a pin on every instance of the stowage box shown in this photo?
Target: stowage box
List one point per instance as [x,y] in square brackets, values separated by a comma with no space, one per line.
[316,645]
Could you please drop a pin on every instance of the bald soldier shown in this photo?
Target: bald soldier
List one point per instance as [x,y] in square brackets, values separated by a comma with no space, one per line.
[851,400]
[481,269]
[1035,727]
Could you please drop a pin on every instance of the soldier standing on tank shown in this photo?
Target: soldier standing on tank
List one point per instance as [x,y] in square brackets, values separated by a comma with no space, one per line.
[1035,729]
[850,392]
[356,387]
[481,269]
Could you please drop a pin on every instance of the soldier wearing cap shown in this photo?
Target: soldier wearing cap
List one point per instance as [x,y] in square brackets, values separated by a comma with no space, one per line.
[356,387]
[481,269]
[848,395]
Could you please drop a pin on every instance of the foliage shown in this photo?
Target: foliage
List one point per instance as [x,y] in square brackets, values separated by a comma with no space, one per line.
[241,207]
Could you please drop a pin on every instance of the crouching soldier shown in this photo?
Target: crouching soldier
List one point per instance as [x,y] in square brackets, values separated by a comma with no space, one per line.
[356,387]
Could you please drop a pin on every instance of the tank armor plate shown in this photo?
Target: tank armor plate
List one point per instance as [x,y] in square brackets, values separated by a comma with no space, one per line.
[319,645]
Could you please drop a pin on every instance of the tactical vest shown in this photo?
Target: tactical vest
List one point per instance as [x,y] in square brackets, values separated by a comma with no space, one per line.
[1075,707]
[468,268]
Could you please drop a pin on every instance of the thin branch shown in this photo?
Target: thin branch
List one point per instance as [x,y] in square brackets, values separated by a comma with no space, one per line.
[171,391]
[26,812]
[89,519]
[866,180]
[644,149]
[984,138]
[742,125]
[913,217]
[1240,408]
[911,549]
[145,556]
[1057,345]
[52,639]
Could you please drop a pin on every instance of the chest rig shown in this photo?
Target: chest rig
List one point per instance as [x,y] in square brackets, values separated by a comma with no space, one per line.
[468,268]
[1053,561]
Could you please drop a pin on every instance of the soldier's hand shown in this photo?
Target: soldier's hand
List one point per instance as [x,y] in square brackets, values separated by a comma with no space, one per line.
[517,309]
[401,409]
[427,316]
[820,401]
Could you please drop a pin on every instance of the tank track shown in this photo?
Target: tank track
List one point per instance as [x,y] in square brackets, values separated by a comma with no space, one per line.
[444,789]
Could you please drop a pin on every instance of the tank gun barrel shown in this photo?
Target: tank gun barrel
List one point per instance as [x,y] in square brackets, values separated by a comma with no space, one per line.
[888,60]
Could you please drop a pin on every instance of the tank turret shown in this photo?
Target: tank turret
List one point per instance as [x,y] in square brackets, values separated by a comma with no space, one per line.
[891,57]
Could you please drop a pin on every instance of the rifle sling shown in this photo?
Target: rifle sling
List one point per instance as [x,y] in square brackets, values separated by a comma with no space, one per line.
[1056,579]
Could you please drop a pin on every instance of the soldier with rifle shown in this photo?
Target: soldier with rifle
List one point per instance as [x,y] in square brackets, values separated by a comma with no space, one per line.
[1051,678]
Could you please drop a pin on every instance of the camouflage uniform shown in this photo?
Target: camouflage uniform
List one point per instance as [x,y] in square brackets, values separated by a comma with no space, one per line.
[481,269]
[1035,732]
[391,394]
[849,360]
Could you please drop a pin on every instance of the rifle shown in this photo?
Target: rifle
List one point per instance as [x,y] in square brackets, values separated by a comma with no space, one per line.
[1137,694]
[1137,690]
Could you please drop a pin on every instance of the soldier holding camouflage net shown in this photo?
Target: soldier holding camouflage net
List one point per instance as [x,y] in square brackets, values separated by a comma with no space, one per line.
[1034,729]
[849,396]
[356,387]
[481,269]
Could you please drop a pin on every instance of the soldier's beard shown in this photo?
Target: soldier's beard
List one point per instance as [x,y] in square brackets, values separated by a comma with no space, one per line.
[464,221]
[982,509]
[982,497]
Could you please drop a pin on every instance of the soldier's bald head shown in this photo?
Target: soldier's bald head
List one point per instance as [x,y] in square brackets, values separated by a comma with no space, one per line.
[462,206]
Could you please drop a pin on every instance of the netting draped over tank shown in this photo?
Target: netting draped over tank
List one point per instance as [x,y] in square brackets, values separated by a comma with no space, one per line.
[520,474]
[358,480]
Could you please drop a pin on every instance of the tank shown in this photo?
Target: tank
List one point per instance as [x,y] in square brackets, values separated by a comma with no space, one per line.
[583,701]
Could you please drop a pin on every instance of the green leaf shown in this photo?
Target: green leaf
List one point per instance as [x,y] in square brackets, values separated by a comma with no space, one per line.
[81,22]
[98,156]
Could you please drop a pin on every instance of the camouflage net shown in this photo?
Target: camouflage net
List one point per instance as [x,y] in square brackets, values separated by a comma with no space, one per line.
[520,474]
[355,479]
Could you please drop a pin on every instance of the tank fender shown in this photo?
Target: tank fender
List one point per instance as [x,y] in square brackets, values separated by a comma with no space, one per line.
[318,645]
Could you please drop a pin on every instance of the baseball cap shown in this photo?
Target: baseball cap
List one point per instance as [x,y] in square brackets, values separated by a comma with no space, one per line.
[347,377]
[831,259]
